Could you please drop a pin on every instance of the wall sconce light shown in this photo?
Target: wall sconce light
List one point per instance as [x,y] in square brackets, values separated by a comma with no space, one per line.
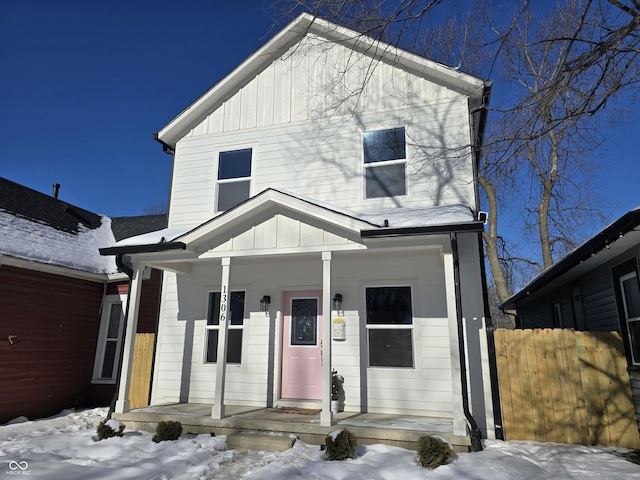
[264,303]
[337,301]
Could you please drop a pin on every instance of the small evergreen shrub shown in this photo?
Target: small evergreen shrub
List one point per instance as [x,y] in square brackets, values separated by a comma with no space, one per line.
[433,452]
[109,428]
[167,430]
[341,445]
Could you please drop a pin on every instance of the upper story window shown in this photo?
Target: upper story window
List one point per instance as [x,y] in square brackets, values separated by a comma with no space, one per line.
[234,178]
[385,163]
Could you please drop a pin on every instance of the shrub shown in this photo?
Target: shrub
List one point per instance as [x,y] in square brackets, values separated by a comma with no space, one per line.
[167,430]
[433,452]
[341,445]
[110,428]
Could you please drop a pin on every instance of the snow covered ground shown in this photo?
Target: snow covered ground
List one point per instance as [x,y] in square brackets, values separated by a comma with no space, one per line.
[65,447]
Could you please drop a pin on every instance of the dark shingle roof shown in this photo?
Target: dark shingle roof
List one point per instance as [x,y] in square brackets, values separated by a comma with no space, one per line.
[125,227]
[27,203]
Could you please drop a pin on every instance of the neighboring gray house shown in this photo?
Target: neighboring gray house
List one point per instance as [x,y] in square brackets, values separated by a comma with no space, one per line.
[594,288]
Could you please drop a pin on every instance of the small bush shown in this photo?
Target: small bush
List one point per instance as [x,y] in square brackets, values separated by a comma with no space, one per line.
[167,430]
[341,445]
[433,452]
[110,428]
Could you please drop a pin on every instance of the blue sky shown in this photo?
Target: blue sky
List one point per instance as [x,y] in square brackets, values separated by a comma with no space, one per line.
[85,84]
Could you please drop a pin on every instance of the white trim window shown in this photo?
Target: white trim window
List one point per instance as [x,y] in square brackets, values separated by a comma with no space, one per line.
[390,328]
[107,361]
[385,163]
[233,185]
[235,318]
[630,289]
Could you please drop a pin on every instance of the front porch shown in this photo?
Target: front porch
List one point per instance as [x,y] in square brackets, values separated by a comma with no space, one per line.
[370,428]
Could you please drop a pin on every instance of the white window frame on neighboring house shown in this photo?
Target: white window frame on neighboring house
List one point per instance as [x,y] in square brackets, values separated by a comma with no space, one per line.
[377,159]
[630,319]
[109,343]
[235,324]
[230,176]
[375,328]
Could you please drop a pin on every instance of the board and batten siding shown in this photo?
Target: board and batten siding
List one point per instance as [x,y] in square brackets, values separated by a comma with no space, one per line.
[303,145]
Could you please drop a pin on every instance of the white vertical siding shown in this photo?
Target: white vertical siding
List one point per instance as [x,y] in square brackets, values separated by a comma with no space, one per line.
[307,137]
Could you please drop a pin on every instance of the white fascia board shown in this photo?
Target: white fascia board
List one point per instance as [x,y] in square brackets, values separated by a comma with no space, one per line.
[52,269]
[192,115]
[264,202]
[458,81]
[414,63]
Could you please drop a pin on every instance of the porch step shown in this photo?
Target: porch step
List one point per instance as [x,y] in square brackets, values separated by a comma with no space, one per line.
[244,441]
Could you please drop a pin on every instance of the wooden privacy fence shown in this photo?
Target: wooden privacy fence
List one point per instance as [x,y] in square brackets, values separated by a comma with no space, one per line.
[141,370]
[565,386]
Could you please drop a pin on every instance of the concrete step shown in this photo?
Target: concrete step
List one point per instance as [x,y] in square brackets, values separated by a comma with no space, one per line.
[244,441]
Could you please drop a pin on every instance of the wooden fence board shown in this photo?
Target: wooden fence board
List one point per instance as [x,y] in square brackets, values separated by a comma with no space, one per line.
[141,370]
[564,386]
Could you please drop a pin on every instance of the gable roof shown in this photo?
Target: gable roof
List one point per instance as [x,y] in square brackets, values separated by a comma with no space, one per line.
[294,32]
[613,240]
[356,225]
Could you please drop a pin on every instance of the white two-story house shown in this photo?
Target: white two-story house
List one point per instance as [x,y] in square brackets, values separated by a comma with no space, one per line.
[324,216]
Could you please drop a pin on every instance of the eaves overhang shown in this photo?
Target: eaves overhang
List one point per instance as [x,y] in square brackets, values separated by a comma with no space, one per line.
[426,230]
[149,248]
[305,24]
[607,237]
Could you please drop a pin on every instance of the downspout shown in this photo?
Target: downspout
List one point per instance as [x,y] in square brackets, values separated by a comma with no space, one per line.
[491,349]
[474,431]
[126,269]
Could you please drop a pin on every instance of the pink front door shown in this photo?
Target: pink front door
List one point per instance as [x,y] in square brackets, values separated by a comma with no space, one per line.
[301,346]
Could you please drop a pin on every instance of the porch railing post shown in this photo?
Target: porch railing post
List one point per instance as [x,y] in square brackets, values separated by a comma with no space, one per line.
[325,415]
[217,411]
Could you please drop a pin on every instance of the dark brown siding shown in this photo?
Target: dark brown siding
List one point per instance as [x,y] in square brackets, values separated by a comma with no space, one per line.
[56,320]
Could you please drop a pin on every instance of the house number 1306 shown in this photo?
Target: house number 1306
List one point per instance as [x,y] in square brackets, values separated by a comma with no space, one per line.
[223,305]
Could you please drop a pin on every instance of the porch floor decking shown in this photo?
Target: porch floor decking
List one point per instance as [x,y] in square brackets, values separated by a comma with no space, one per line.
[370,428]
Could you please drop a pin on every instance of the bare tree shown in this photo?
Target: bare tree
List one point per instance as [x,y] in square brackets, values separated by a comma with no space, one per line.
[556,72]
[155,209]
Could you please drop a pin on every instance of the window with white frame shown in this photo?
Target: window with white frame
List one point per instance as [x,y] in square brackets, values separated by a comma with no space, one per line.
[235,317]
[389,326]
[105,368]
[234,178]
[630,289]
[385,162]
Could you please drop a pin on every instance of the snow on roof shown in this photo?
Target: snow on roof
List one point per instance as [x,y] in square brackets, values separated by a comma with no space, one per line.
[151,238]
[402,217]
[391,218]
[26,239]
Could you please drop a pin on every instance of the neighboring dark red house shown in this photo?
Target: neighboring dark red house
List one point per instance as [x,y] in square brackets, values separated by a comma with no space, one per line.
[62,304]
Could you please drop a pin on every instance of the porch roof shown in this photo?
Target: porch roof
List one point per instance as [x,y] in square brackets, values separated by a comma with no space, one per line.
[376,223]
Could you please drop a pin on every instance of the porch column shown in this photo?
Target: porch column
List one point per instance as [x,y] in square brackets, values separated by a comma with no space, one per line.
[217,411]
[122,404]
[459,422]
[325,415]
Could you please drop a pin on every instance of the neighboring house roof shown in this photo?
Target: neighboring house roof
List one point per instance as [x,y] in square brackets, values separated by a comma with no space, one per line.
[392,222]
[615,239]
[46,230]
[125,227]
[295,31]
